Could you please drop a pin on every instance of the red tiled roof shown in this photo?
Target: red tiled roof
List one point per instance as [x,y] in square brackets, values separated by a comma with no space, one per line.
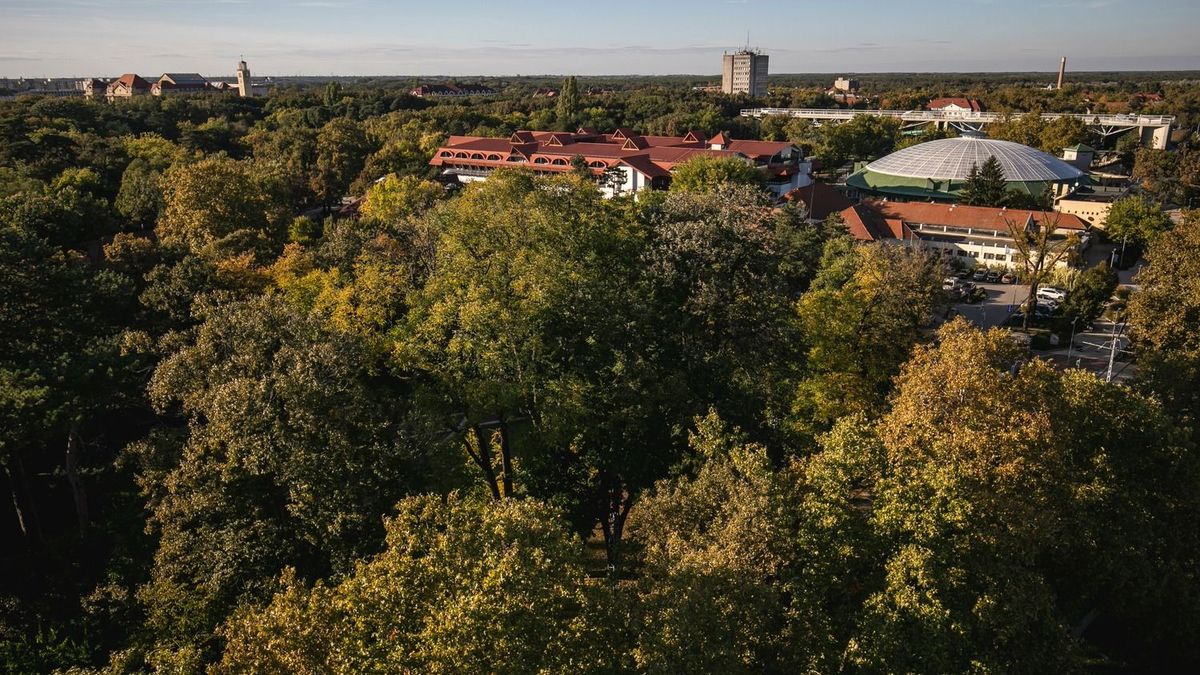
[643,164]
[131,80]
[868,220]
[820,200]
[867,224]
[967,103]
[755,149]
[719,139]
[652,155]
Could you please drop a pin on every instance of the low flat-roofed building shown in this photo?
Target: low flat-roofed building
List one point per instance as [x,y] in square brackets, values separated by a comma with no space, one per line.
[644,161]
[1091,203]
[975,235]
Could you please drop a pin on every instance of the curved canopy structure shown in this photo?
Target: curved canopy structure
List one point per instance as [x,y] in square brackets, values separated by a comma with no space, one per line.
[952,159]
[937,169]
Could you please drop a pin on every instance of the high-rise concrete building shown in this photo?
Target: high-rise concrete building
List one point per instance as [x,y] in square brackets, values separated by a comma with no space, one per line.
[745,72]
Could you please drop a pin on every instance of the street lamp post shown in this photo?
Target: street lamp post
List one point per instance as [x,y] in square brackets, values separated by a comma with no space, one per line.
[1071,343]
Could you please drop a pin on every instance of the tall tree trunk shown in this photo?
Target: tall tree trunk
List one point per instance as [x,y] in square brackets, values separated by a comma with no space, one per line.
[484,460]
[71,464]
[27,516]
[506,459]
[612,522]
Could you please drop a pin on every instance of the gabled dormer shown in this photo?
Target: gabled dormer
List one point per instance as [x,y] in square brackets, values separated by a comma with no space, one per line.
[718,142]
[635,143]
[694,137]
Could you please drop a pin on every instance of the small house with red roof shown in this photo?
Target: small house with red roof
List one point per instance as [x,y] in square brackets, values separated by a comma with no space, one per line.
[127,86]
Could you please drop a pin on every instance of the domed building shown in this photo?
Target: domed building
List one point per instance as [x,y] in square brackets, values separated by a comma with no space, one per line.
[937,170]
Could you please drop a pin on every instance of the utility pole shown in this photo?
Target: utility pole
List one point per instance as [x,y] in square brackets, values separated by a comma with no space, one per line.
[1112,354]
[1071,343]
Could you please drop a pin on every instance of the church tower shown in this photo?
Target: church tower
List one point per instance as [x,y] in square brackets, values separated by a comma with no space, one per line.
[243,79]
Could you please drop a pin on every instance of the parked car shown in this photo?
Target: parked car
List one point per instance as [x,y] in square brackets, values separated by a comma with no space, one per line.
[1008,278]
[980,274]
[963,273]
[1051,293]
[993,277]
[949,283]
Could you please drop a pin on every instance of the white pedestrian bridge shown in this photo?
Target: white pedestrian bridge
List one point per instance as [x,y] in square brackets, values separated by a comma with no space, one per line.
[1153,130]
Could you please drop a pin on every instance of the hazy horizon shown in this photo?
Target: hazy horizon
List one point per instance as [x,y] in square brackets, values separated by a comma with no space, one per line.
[78,38]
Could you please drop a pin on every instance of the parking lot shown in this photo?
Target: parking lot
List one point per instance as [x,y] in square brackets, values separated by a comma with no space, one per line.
[1002,300]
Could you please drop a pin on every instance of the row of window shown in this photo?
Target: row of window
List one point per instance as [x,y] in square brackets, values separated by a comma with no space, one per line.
[1000,257]
[558,161]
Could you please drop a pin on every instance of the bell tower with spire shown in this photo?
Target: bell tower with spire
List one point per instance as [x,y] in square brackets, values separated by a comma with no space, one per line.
[243,79]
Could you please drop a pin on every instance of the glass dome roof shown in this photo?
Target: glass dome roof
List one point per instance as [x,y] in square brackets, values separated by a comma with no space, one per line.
[952,158]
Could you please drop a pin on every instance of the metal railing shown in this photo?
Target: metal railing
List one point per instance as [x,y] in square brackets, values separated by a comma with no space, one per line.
[958,116]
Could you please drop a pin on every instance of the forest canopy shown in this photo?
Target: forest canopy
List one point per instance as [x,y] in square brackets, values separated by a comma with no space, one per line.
[273,398]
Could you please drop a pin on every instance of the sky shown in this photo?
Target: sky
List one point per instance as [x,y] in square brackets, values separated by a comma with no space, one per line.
[67,38]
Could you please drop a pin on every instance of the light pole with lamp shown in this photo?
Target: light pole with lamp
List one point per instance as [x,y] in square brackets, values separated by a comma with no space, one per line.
[1071,343]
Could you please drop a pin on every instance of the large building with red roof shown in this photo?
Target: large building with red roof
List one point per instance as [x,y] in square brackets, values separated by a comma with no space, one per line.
[955,105]
[976,235]
[624,162]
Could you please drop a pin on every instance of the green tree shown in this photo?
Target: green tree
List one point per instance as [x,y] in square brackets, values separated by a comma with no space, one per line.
[709,174]
[1090,293]
[929,134]
[863,137]
[333,94]
[972,491]
[1004,483]
[1062,132]
[219,207]
[341,151]
[1026,129]
[396,198]
[860,322]
[462,587]
[736,570]
[141,197]
[291,453]
[1135,219]
[516,327]
[985,185]
[285,145]
[568,103]
[1160,321]
[61,368]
